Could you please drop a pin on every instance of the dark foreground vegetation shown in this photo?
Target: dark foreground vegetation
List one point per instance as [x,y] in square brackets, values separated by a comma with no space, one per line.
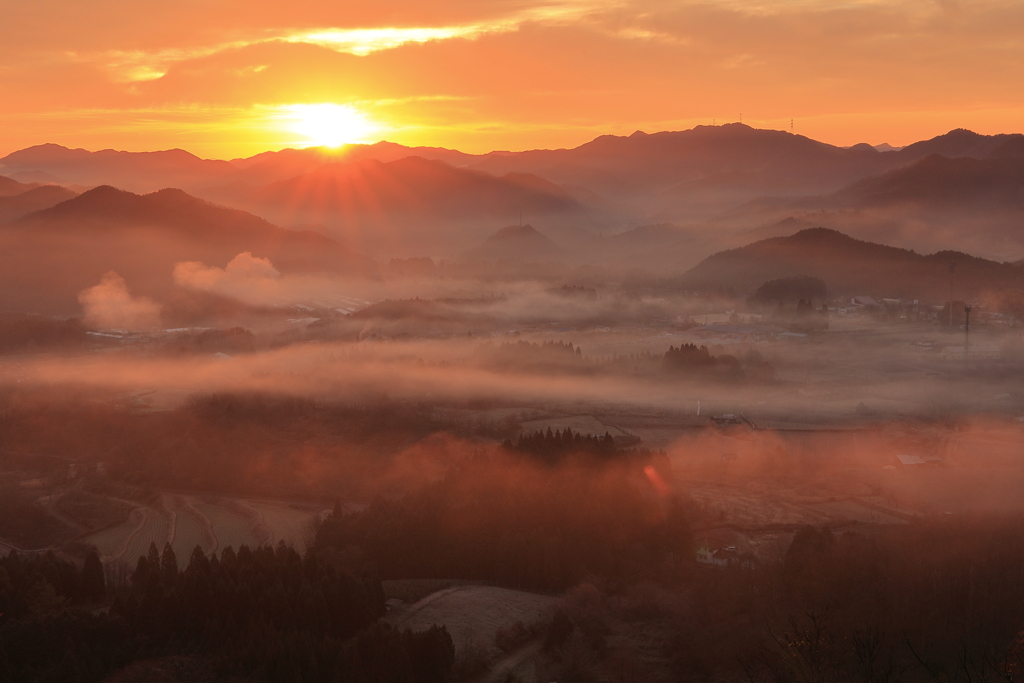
[263,615]
[518,523]
[937,602]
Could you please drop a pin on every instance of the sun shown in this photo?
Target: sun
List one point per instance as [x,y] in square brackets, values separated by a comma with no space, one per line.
[328,125]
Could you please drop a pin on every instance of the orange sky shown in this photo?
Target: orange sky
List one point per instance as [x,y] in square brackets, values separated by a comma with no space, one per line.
[216,77]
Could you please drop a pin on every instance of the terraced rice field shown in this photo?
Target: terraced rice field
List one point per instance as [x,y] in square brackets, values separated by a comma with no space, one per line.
[128,541]
[154,530]
[187,535]
[212,525]
[231,529]
[111,543]
[285,524]
[475,613]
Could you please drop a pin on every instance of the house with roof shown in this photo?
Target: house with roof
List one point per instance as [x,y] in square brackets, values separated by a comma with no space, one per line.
[715,553]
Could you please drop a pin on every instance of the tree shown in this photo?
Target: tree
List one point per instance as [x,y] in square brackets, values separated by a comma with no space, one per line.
[94,584]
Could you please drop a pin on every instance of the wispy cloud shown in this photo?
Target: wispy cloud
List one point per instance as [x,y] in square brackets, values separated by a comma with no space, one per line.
[138,66]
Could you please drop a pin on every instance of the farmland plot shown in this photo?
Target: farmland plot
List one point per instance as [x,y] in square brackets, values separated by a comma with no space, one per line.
[189,534]
[848,510]
[232,529]
[285,524]
[475,613]
[112,543]
[154,530]
[129,541]
[192,529]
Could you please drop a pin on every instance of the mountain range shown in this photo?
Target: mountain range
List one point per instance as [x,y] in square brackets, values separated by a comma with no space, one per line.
[851,267]
[714,186]
[48,256]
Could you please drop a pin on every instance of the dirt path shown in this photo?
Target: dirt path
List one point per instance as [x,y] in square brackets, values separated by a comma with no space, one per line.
[418,606]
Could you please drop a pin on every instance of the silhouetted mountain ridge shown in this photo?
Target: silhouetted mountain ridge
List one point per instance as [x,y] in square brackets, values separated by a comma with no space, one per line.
[10,187]
[852,267]
[36,199]
[139,171]
[938,182]
[47,257]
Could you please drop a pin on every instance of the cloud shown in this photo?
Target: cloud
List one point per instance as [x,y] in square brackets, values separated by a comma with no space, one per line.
[109,305]
[255,281]
[136,65]
[246,277]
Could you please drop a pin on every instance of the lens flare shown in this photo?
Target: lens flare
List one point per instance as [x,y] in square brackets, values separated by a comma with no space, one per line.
[328,125]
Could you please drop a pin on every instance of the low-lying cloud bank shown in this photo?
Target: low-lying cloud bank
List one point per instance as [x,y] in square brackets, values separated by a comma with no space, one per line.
[109,305]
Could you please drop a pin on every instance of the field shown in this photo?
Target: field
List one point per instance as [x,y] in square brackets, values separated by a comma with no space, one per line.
[212,526]
[473,614]
[128,541]
[188,534]
[91,511]
[853,511]
[155,530]
[111,543]
[284,523]
[412,591]
[232,529]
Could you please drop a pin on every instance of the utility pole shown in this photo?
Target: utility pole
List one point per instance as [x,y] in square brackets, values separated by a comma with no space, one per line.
[952,269]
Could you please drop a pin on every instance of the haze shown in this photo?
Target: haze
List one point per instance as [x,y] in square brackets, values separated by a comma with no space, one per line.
[511,342]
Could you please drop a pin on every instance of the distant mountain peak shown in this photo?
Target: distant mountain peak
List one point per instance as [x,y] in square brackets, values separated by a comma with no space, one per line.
[516,243]
[511,232]
[819,235]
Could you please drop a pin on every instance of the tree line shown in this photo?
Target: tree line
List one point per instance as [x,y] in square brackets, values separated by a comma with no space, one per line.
[520,523]
[267,614]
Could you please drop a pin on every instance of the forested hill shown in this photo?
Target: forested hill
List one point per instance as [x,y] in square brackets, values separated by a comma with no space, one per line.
[852,267]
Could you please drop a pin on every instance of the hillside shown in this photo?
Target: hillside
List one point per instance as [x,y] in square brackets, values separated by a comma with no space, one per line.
[36,199]
[269,167]
[515,244]
[10,187]
[938,182]
[852,267]
[47,257]
[411,185]
[667,158]
[136,171]
[955,143]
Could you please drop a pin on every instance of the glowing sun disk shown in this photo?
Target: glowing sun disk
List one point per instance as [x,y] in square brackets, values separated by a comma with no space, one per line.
[328,125]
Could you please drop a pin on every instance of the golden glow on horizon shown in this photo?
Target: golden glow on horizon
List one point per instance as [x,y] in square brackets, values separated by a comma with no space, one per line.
[327,125]
[500,75]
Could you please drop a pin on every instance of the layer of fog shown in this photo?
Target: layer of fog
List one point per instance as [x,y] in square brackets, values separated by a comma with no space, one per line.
[453,371]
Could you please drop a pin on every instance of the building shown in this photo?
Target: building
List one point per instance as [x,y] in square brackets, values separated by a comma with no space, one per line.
[715,553]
